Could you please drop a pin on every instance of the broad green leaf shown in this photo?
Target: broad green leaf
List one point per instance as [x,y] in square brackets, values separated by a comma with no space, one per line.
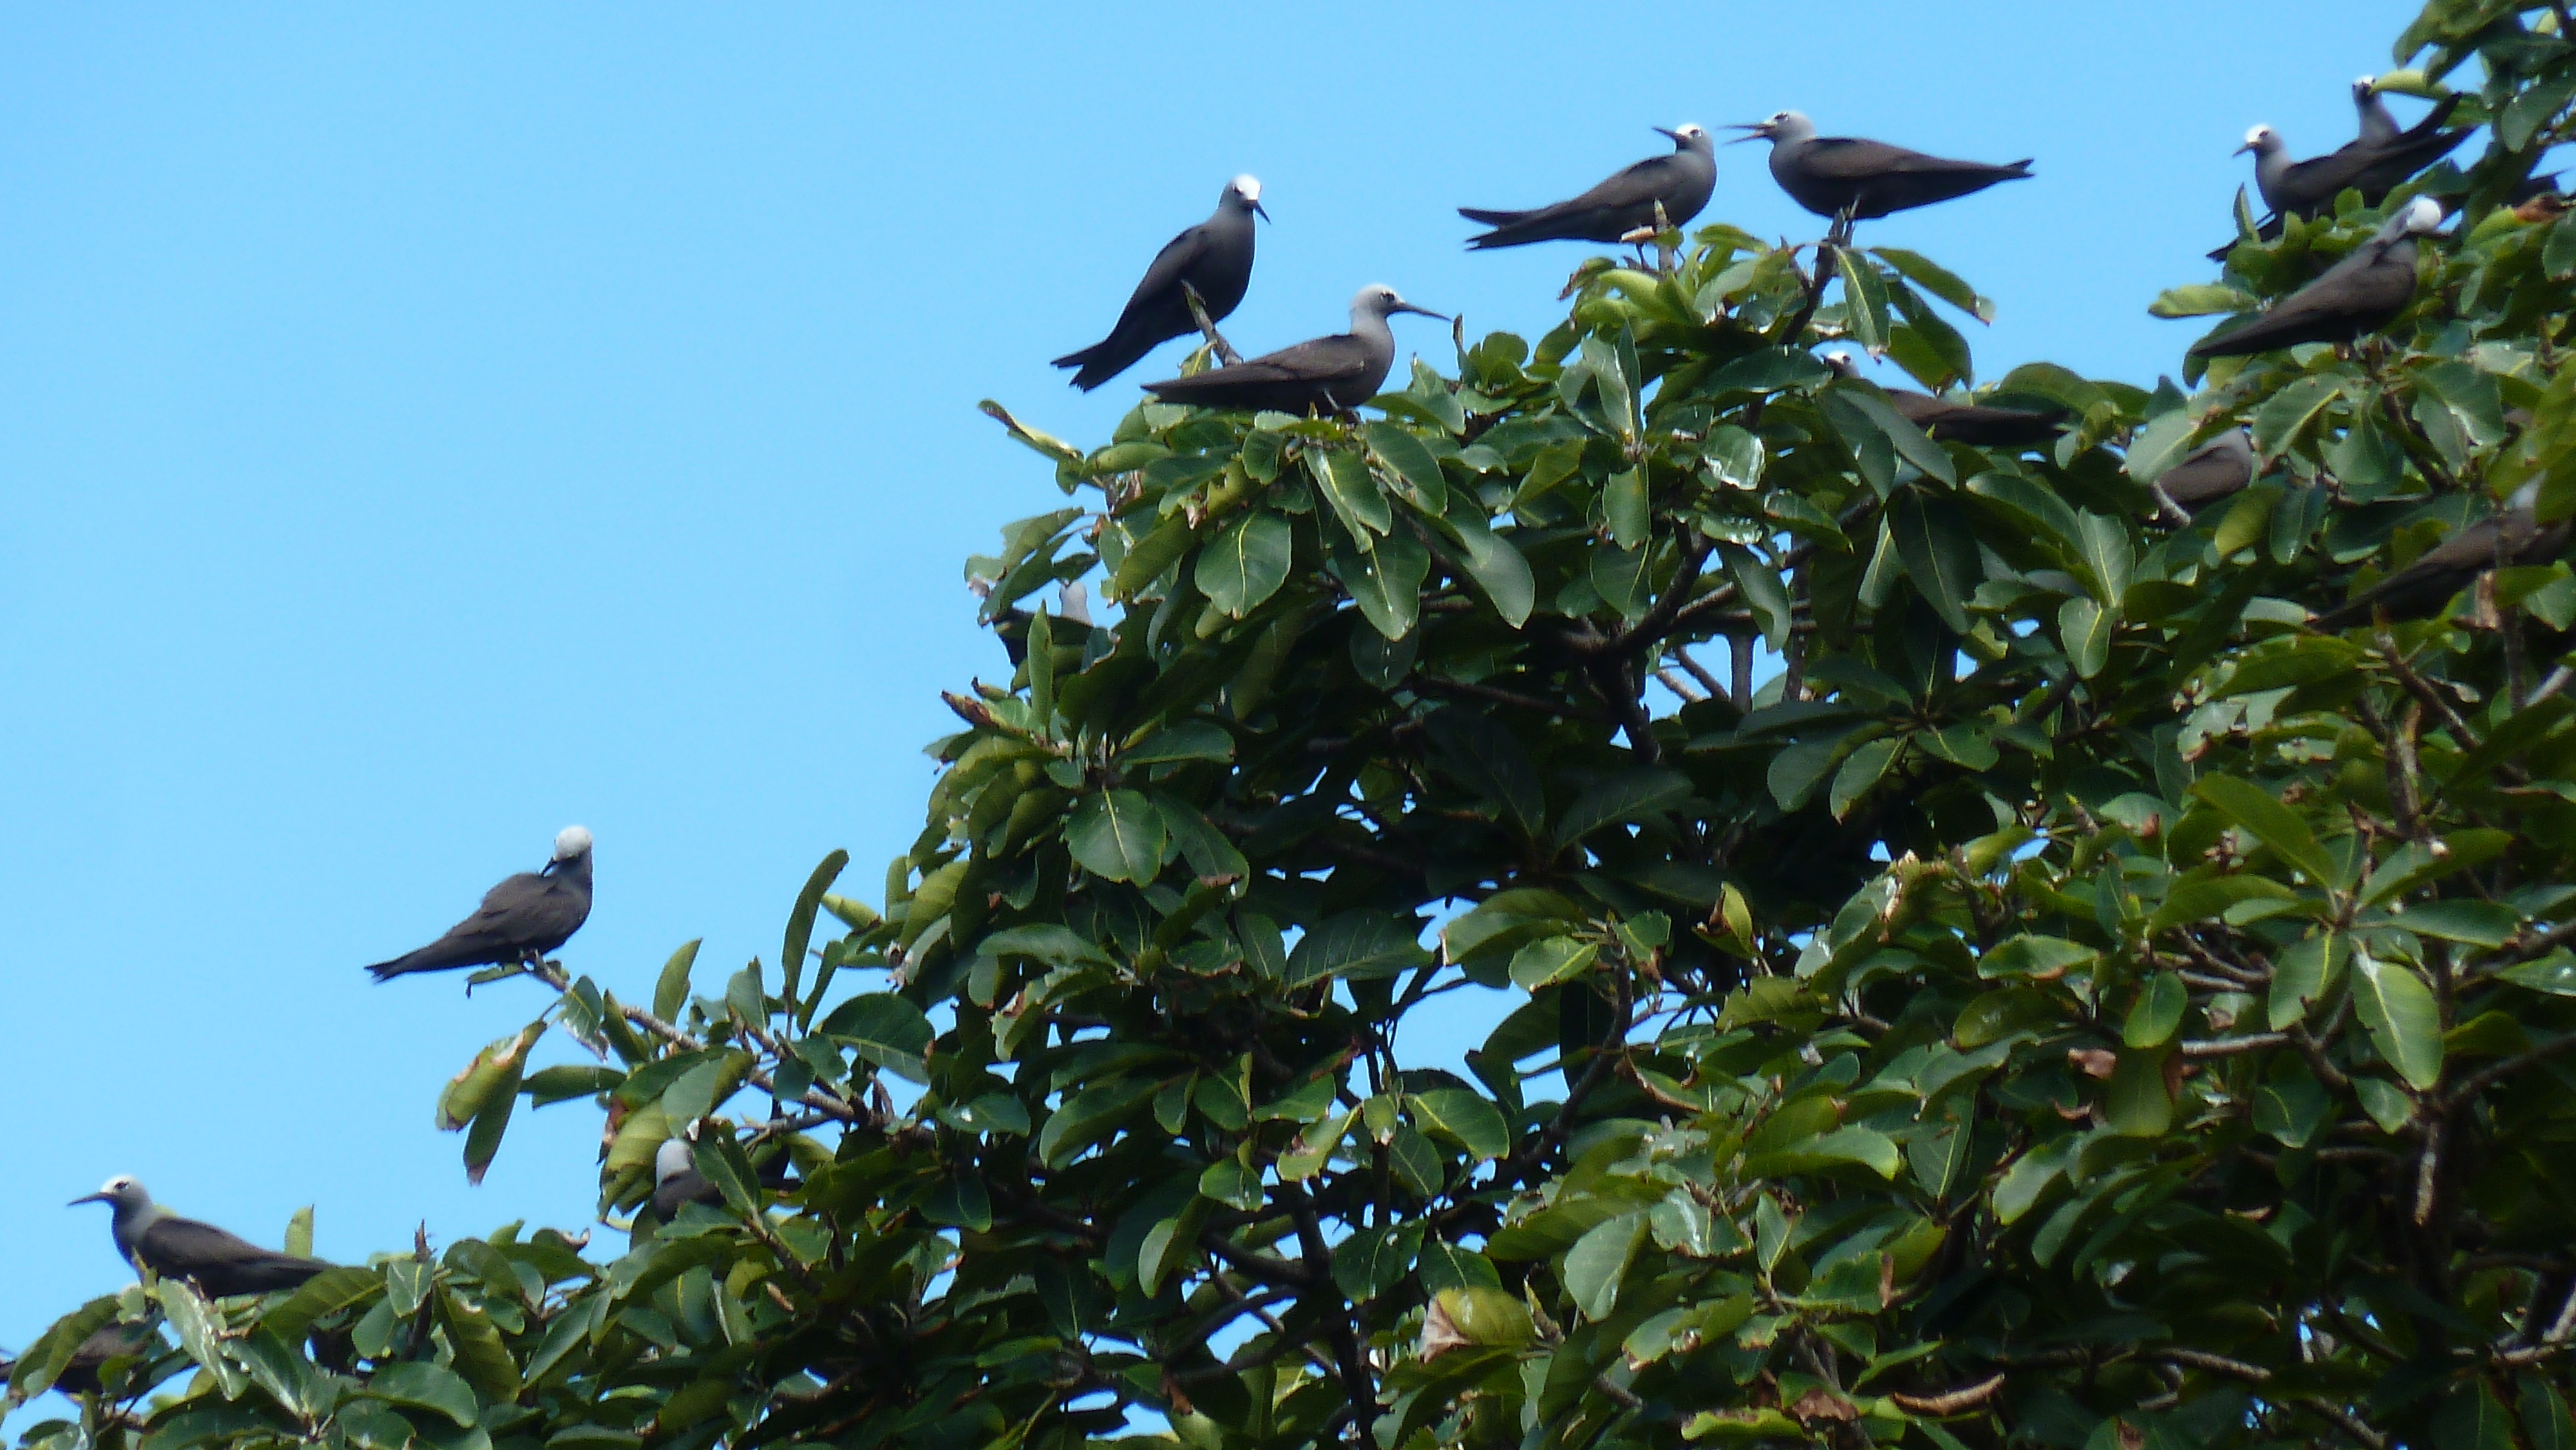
[1551,960]
[1499,570]
[1940,553]
[1929,275]
[2086,629]
[1185,740]
[1464,1118]
[2404,1021]
[1352,492]
[1630,795]
[1860,771]
[421,1385]
[2302,975]
[2032,955]
[1117,835]
[2157,1014]
[2554,974]
[1386,582]
[1374,1260]
[671,989]
[800,923]
[2271,822]
[1412,463]
[1623,506]
[1864,300]
[1598,1260]
[1625,580]
[884,1029]
[2134,1102]
[1246,564]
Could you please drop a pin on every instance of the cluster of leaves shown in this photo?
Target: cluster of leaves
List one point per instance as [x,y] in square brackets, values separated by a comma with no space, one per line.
[2074,1001]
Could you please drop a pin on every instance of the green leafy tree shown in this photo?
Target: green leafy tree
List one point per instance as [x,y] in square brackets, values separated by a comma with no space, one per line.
[2074,1002]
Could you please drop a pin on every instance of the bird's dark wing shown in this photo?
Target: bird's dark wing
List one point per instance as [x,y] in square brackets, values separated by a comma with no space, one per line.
[1852,158]
[526,911]
[1319,361]
[225,1263]
[2208,474]
[1163,278]
[2320,179]
[1638,185]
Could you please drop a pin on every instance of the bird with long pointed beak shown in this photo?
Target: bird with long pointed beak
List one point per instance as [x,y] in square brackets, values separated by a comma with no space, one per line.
[219,1263]
[1851,179]
[1335,373]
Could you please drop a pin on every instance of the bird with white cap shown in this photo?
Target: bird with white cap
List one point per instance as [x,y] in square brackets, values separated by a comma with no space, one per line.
[519,921]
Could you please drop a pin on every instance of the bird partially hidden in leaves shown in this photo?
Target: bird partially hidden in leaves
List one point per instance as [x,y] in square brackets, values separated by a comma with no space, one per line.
[1976,424]
[677,1181]
[2217,470]
[2511,536]
[1213,258]
[520,920]
[1679,183]
[220,1264]
[2383,158]
[110,1347]
[1072,606]
[2360,294]
[1334,374]
[1851,179]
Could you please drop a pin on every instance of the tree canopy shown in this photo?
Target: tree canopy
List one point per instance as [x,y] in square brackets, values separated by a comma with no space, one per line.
[2075,1001]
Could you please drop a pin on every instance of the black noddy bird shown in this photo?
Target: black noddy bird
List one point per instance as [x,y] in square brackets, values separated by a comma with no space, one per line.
[2362,293]
[221,1264]
[520,920]
[1976,424]
[2374,168]
[677,1181]
[1849,179]
[1339,372]
[2418,591]
[82,1372]
[1214,258]
[1625,203]
[2218,469]
[1072,606]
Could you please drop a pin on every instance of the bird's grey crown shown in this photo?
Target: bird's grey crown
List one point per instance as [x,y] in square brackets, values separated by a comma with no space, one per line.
[671,1160]
[572,842]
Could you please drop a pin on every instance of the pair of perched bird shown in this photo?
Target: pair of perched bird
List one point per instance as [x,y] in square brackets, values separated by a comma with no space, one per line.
[1841,177]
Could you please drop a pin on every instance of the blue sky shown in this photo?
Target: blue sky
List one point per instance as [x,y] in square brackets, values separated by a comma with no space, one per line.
[420,430]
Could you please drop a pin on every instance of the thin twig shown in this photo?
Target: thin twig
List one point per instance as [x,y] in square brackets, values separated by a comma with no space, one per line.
[1226,356]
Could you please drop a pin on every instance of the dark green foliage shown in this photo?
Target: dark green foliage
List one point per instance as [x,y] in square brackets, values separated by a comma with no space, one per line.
[2078,1005]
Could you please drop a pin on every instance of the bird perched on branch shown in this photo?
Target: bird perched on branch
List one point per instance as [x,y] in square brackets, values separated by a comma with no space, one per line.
[219,1263]
[1678,183]
[2218,469]
[1851,179]
[2383,158]
[520,920]
[2362,293]
[1977,424]
[2511,536]
[1338,372]
[83,1373]
[1214,257]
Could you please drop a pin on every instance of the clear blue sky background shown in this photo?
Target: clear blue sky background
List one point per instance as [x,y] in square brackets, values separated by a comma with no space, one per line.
[420,429]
